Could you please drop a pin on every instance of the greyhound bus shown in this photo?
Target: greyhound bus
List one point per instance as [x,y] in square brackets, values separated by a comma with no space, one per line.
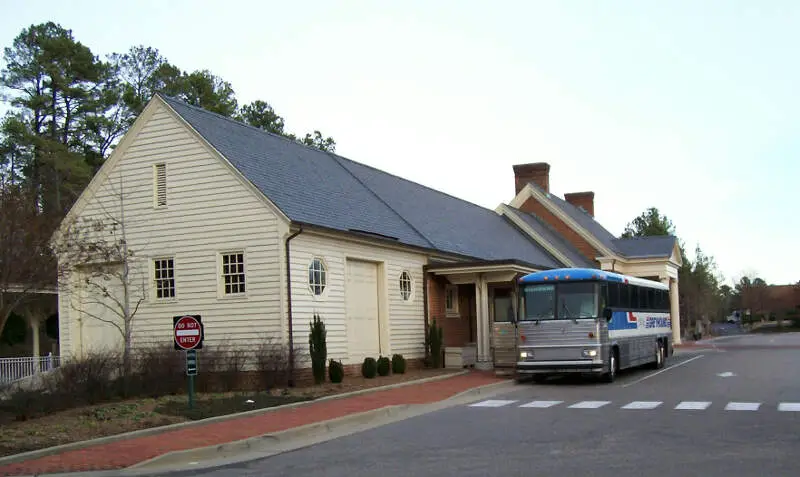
[582,320]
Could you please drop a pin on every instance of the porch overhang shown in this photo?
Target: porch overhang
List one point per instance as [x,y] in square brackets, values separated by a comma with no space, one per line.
[661,267]
[483,266]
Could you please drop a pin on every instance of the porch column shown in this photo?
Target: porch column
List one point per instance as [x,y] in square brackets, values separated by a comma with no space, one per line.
[33,321]
[674,311]
[484,330]
[478,325]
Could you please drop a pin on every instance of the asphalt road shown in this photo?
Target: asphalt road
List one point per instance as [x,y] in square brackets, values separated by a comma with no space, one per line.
[718,412]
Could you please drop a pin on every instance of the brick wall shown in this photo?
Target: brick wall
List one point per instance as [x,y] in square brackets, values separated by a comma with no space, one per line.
[533,206]
[536,172]
[583,200]
[456,330]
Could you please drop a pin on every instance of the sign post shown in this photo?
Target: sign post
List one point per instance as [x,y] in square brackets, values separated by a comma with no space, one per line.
[188,336]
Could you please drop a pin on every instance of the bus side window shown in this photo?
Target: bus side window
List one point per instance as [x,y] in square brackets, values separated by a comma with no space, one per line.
[624,296]
[613,295]
[603,300]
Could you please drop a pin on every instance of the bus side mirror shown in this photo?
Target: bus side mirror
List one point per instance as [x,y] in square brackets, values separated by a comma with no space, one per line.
[607,314]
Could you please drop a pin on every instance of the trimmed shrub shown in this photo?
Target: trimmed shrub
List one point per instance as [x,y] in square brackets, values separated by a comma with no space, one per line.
[318,349]
[369,368]
[335,371]
[384,366]
[434,340]
[398,364]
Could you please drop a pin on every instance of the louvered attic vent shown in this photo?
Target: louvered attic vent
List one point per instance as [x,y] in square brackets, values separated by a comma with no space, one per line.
[161,185]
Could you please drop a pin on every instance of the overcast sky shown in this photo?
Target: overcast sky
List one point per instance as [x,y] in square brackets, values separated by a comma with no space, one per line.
[681,105]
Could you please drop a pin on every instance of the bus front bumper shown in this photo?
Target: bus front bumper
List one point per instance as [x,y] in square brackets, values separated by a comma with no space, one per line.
[558,367]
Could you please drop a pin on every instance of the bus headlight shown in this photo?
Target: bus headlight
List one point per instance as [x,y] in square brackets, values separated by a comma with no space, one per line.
[589,353]
[525,354]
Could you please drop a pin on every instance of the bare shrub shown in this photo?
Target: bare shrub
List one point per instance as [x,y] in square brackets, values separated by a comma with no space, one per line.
[272,358]
[221,366]
[229,363]
[90,380]
[93,379]
[272,363]
[24,404]
[159,370]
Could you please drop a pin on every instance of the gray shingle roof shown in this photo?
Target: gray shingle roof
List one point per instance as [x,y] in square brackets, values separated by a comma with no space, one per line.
[548,233]
[319,188]
[642,247]
[646,247]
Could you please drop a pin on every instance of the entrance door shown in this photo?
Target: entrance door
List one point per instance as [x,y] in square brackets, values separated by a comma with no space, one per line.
[363,330]
[504,328]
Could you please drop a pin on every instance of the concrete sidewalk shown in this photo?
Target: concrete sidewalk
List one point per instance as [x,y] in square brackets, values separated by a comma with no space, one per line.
[126,453]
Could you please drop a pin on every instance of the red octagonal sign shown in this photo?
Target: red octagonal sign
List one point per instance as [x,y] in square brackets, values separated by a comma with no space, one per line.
[188,332]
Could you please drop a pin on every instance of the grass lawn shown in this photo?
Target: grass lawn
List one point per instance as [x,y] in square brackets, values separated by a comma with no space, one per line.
[102,420]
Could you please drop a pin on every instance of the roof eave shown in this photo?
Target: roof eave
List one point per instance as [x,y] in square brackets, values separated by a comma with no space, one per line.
[486,266]
[295,225]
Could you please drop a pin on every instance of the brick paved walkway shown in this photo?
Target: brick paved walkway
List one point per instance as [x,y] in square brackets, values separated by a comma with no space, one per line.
[121,454]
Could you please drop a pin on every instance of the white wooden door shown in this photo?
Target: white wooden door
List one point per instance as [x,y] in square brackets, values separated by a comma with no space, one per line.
[363,330]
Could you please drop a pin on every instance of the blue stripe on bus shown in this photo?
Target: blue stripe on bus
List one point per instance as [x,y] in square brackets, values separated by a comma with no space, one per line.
[619,321]
[626,320]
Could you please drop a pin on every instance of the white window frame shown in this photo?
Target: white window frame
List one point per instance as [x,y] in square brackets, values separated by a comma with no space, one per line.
[405,277]
[221,274]
[156,184]
[155,279]
[318,289]
[452,292]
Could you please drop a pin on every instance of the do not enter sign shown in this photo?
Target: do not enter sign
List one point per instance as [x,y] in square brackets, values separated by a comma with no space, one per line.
[188,332]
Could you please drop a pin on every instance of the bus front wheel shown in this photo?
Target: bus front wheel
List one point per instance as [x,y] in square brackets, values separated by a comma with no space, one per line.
[612,367]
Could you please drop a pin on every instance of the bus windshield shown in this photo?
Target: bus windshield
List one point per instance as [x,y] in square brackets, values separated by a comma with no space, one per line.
[563,301]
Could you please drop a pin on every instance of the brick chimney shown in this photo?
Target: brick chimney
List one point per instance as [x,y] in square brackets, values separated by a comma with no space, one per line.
[536,172]
[582,200]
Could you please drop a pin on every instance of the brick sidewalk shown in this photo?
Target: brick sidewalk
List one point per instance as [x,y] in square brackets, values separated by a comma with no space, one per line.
[121,454]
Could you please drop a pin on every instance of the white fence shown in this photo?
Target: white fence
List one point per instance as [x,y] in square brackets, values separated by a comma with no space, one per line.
[14,369]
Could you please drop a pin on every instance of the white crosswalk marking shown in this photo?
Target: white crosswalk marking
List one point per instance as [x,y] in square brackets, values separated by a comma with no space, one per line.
[642,405]
[542,404]
[693,405]
[493,403]
[589,404]
[742,406]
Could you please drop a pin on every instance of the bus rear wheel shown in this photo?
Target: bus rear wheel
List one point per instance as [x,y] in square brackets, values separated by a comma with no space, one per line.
[660,355]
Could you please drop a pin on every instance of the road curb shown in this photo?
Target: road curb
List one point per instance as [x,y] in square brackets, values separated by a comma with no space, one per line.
[259,443]
[266,445]
[35,454]
[480,390]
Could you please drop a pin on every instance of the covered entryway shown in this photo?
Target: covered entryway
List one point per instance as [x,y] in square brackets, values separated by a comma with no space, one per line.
[363,313]
[502,310]
[492,284]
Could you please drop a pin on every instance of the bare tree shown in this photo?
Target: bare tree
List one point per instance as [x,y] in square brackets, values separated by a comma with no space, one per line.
[754,293]
[26,262]
[98,270]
